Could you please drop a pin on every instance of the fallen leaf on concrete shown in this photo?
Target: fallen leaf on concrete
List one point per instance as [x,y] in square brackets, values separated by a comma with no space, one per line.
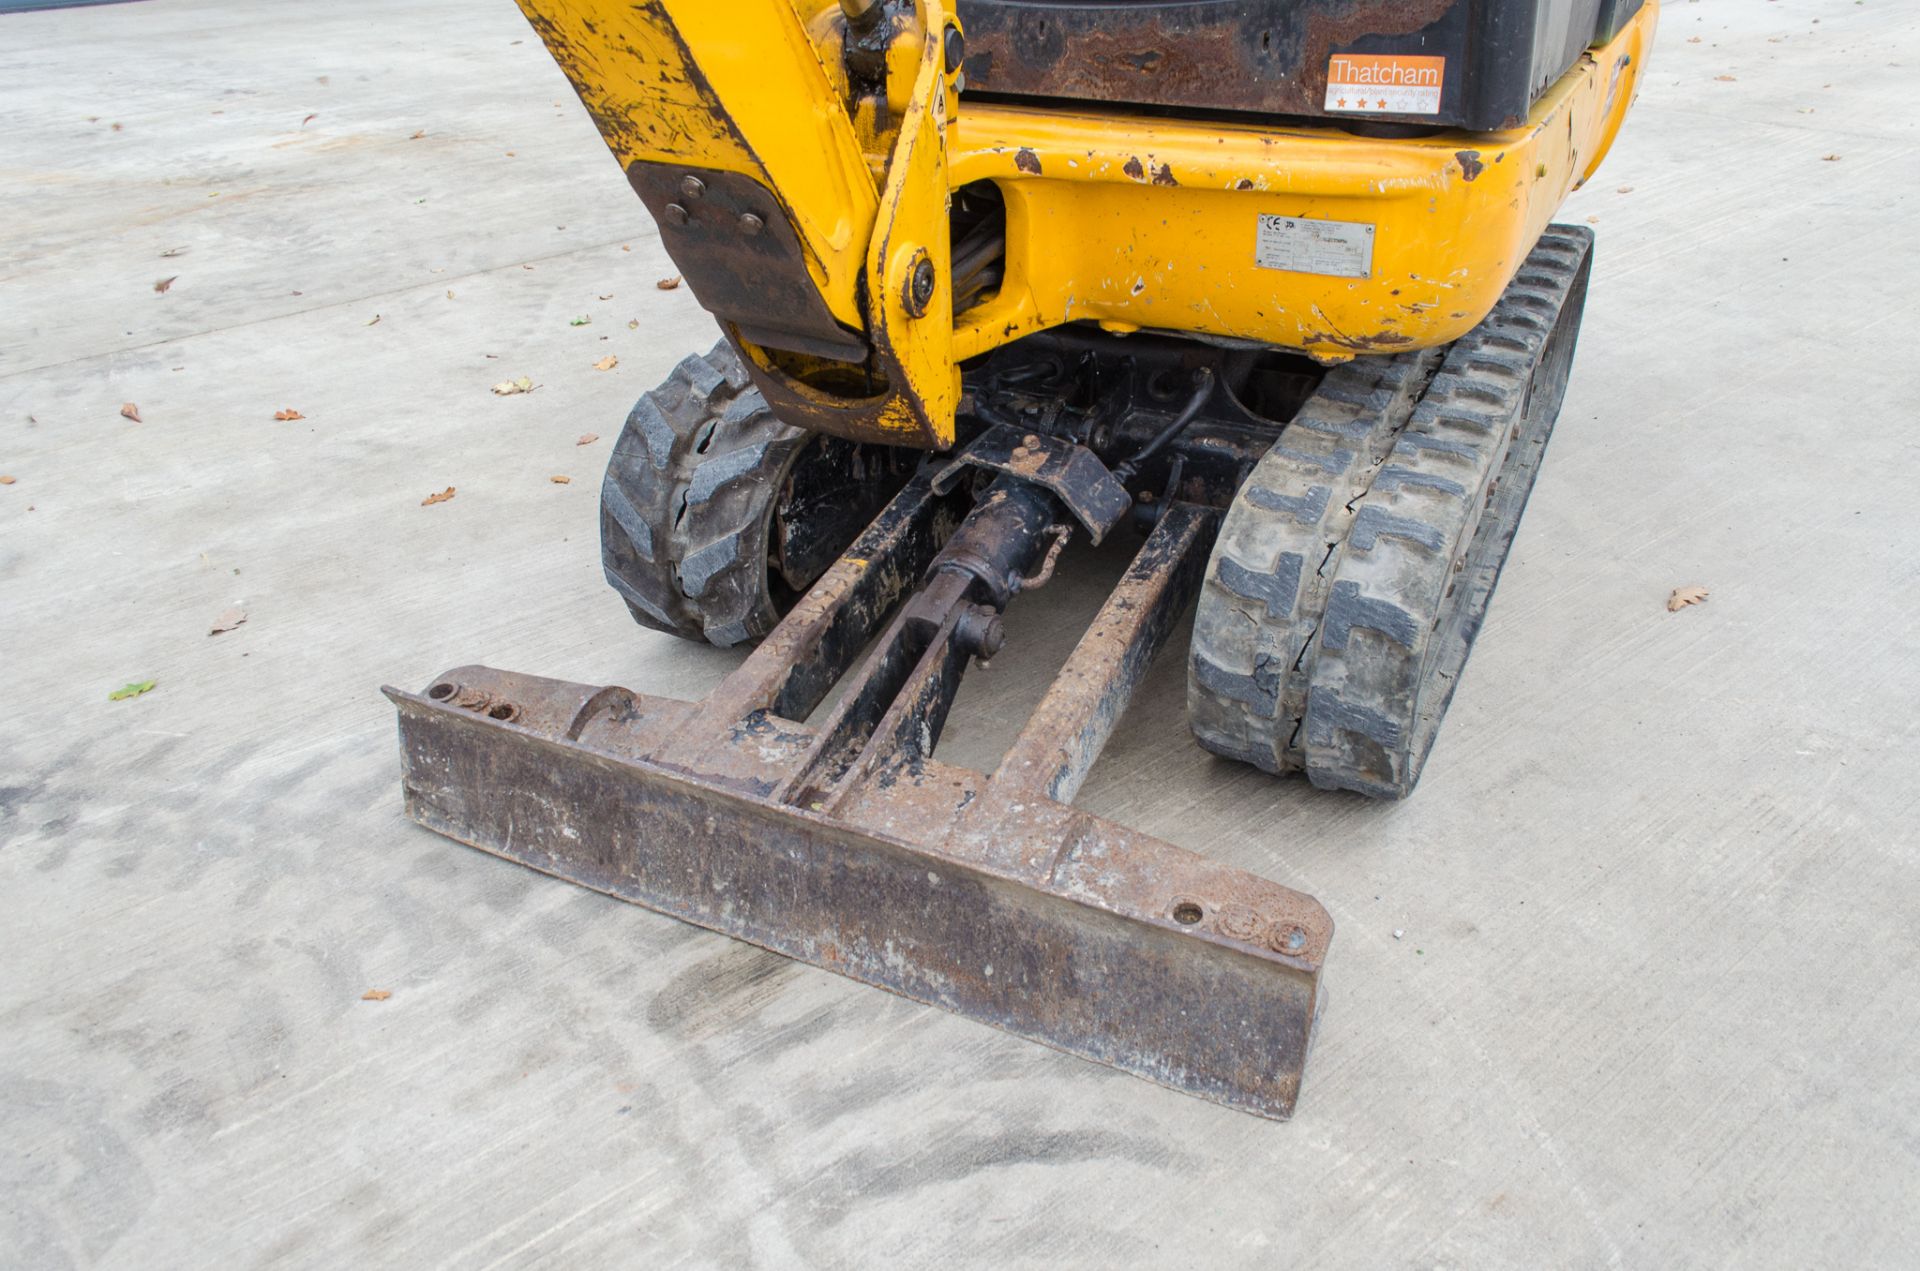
[586,439]
[376,995]
[116,127]
[580,321]
[228,620]
[416,136]
[7,480]
[441,497]
[606,363]
[1693,39]
[1625,189]
[1829,158]
[668,284]
[132,690]
[374,321]
[173,251]
[288,413]
[309,119]
[608,296]
[1725,79]
[557,480]
[625,248]
[449,294]
[1684,596]
[507,388]
[633,324]
[163,284]
[130,411]
[1593,220]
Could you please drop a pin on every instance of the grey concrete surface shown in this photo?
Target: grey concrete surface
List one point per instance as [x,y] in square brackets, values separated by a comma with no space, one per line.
[1653,1000]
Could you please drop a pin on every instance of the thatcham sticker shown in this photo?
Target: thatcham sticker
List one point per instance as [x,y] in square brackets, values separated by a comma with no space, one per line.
[1365,83]
[1342,249]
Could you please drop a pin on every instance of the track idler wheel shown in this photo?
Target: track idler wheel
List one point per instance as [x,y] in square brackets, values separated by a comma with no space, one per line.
[1356,563]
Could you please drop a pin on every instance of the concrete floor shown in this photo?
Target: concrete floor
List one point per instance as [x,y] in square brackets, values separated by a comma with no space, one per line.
[1654,1002]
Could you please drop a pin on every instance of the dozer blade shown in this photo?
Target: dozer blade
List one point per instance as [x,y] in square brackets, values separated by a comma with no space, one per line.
[846,845]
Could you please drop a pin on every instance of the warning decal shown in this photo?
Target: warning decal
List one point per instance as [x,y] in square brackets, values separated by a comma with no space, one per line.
[1389,84]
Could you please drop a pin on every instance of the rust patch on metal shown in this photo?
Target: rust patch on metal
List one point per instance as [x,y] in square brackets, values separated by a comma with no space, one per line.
[1470,165]
[847,845]
[1268,56]
[1163,175]
[1133,168]
[1027,161]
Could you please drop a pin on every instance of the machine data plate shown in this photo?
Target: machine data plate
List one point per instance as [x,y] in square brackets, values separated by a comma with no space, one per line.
[1341,249]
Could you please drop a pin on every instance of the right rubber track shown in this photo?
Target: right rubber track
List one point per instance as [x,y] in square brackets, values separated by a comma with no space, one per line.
[1353,571]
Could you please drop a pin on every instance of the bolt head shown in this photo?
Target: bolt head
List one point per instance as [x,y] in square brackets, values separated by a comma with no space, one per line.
[751,224]
[923,282]
[675,214]
[693,187]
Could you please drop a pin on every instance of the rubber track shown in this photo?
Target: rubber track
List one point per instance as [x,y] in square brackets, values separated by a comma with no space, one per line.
[688,500]
[1380,636]
[1267,582]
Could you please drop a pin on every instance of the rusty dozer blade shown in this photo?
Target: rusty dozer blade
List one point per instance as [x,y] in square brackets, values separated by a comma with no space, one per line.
[847,845]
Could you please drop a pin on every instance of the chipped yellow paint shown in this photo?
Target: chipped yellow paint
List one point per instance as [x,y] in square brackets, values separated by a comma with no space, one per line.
[739,87]
[1151,223]
[1130,222]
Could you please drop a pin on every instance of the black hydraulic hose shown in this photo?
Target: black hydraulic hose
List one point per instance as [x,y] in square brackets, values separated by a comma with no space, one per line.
[1203,388]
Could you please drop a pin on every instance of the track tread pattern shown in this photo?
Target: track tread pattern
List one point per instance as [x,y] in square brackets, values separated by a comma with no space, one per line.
[687,502]
[1349,680]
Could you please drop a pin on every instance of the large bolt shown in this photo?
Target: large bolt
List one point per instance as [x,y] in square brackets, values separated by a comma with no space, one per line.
[917,293]
[751,224]
[692,186]
[675,214]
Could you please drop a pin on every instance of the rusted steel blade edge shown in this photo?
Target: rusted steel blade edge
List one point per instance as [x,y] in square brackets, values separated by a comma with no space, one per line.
[1030,916]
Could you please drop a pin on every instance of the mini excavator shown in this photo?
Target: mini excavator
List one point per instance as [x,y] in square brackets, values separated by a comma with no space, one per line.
[1270,288]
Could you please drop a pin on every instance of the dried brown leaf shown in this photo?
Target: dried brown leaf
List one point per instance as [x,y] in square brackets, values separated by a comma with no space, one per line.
[416,136]
[1830,158]
[559,480]
[309,119]
[288,413]
[173,251]
[374,321]
[376,995]
[441,497]
[130,411]
[587,439]
[606,363]
[668,284]
[1725,79]
[1625,189]
[164,284]
[7,480]
[507,388]
[228,620]
[1684,596]
[608,296]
